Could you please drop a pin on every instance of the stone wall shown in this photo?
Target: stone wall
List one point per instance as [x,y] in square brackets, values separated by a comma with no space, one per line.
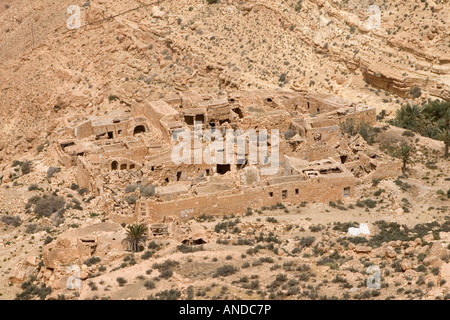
[321,189]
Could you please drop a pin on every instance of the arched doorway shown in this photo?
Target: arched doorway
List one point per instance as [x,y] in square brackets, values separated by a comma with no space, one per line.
[139,129]
[114,165]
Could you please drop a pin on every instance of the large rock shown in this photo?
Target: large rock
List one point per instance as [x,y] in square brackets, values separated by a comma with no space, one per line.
[54,257]
[17,276]
[406,264]
[438,250]
[432,261]
[363,249]
[32,261]
[390,252]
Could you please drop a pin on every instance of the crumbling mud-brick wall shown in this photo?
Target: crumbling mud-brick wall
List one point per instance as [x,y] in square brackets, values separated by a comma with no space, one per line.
[322,189]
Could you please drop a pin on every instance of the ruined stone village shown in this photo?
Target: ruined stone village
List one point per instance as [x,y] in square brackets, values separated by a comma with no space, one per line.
[317,163]
[173,151]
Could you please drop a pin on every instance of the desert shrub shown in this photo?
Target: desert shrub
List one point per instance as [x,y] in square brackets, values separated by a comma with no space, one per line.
[33,187]
[415,92]
[316,228]
[205,217]
[171,294]
[289,134]
[147,191]
[270,238]
[225,271]
[121,281]
[369,203]
[131,188]
[146,255]
[364,129]
[389,231]
[30,291]
[212,1]
[91,261]
[378,192]
[165,265]
[14,221]
[47,240]
[74,187]
[344,226]
[52,170]
[283,77]
[184,248]
[93,286]
[226,225]
[31,228]
[131,199]
[48,205]
[306,242]
[25,168]
[153,246]
[165,274]
[112,97]
[271,219]
[149,285]
[243,242]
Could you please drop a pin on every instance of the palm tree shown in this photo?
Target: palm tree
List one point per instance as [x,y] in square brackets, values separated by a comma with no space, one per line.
[404,153]
[136,234]
[409,117]
[438,113]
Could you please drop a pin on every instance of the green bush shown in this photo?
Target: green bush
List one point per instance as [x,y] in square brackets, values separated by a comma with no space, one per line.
[149,285]
[225,271]
[91,261]
[121,281]
[171,294]
[184,248]
[306,242]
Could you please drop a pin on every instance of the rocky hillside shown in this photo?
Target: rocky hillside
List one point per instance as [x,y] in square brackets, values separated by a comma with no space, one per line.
[49,74]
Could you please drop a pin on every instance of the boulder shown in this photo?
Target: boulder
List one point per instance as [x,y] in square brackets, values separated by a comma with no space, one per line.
[438,250]
[406,264]
[32,261]
[363,249]
[432,261]
[60,256]
[390,252]
[17,276]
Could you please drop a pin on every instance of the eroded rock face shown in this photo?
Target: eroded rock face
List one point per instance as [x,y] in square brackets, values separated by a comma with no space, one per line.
[60,256]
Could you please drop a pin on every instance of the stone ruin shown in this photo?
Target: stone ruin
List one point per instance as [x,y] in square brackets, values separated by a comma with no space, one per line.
[317,162]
